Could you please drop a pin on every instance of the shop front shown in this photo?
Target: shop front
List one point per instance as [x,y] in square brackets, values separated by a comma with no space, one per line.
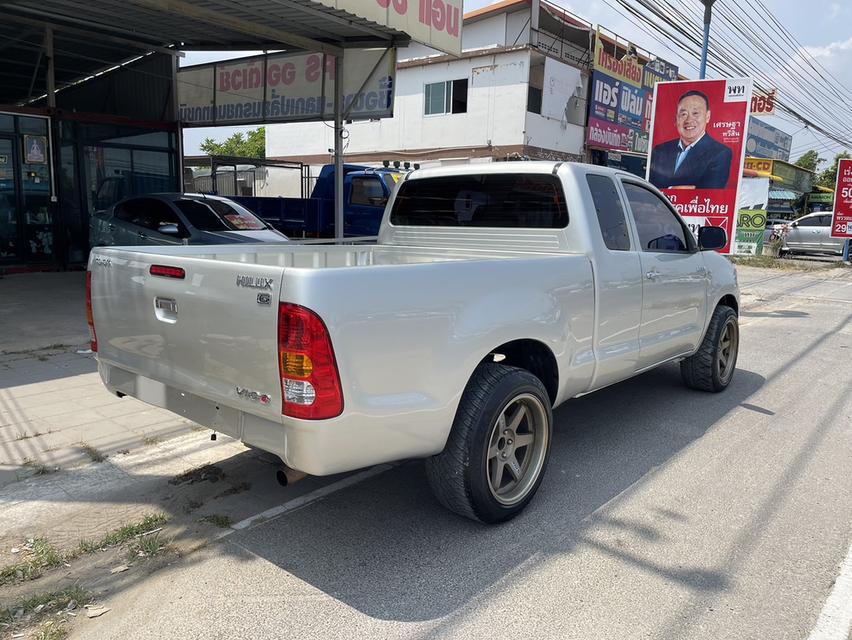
[27,191]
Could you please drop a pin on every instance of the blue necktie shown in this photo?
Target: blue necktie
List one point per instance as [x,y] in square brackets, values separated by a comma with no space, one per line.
[680,158]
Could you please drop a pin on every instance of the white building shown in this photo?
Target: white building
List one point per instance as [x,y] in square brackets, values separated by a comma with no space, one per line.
[517,91]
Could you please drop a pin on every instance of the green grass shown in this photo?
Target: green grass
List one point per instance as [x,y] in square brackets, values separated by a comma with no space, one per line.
[51,601]
[94,454]
[50,631]
[41,556]
[223,522]
[124,534]
[768,262]
[146,546]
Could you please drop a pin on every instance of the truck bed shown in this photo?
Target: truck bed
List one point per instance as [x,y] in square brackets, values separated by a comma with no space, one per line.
[319,256]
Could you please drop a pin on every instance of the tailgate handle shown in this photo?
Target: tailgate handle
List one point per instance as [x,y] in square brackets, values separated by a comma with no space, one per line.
[166,309]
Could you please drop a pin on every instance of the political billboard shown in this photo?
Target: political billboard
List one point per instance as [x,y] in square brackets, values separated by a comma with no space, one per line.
[841,221]
[284,87]
[621,102]
[698,134]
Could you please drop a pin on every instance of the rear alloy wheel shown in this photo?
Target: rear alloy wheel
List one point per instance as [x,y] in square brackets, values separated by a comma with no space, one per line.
[517,449]
[498,448]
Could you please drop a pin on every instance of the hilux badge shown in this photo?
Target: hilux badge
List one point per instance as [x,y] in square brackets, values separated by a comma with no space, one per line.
[254,282]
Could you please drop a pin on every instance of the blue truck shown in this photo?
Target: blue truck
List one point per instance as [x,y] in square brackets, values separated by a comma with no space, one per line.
[365,192]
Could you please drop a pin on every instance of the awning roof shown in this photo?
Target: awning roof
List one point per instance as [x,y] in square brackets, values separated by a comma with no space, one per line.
[782,194]
[96,35]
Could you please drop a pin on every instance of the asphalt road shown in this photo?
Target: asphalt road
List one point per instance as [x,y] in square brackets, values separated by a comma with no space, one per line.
[665,513]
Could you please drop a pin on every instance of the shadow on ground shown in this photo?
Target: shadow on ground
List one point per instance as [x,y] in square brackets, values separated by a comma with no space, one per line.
[386,548]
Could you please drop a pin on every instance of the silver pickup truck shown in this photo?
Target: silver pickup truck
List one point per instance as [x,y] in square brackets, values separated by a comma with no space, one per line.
[494,294]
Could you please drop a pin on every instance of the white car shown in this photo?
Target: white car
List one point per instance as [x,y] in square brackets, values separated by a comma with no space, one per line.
[495,293]
[812,234]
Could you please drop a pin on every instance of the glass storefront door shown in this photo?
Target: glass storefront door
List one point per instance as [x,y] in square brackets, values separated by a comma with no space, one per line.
[9,241]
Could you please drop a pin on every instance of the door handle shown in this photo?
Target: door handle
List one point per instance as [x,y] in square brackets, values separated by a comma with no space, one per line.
[652,275]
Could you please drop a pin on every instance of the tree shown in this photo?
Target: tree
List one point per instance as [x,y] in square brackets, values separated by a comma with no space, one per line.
[828,178]
[250,145]
[810,160]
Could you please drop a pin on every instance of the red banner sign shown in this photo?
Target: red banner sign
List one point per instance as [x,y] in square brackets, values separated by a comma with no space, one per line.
[841,223]
[698,137]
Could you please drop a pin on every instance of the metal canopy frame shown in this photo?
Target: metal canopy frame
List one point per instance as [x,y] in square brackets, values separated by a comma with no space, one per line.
[59,43]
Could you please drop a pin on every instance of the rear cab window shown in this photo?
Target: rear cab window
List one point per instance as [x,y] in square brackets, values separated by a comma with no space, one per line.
[498,200]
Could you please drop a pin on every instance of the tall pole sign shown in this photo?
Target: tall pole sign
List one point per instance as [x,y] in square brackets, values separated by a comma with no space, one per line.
[841,220]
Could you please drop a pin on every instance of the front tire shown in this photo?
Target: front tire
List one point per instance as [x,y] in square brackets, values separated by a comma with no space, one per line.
[498,448]
[712,367]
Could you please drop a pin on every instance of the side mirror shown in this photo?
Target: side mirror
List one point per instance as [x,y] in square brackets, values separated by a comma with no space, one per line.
[712,238]
[169,229]
[794,225]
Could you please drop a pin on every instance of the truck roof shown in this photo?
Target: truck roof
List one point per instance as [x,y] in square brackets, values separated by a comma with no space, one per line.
[533,166]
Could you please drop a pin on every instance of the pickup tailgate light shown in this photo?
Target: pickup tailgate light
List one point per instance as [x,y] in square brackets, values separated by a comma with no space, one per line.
[310,381]
[167,272]
[90,316]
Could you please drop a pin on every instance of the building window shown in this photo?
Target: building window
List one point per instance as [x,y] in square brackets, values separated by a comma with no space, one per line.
[446,97]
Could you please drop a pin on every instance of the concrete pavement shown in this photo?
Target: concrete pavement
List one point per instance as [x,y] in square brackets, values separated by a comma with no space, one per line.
[665,513]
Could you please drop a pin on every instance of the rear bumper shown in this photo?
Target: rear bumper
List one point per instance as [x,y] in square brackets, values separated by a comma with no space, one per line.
[317,447]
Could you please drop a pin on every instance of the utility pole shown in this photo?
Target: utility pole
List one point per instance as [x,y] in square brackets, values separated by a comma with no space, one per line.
[708,9]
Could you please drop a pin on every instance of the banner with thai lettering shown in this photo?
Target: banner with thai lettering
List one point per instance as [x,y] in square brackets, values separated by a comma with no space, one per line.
[698,148]
[752,203]
[286,88]
[436,23]
[841,221]
[620,106]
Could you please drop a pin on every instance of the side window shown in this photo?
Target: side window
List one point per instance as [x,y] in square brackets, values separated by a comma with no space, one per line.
[658,228]
[124,210]
[611,218]
[813,221]
[367,191]
[825,221]
[151,214]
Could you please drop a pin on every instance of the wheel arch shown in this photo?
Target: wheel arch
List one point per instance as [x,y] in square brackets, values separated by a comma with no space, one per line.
[531,355]
[731,301]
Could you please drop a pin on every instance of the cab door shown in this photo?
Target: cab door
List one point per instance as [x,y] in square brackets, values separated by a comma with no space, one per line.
[674,278]
[618,274]
[804,234]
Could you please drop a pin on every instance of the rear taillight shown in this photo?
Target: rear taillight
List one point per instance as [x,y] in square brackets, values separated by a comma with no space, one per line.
[310,382]
[90,316]
[167,272]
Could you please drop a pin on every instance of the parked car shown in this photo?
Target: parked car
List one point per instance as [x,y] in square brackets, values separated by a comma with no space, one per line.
[178,218]
[812,234]
[481,308]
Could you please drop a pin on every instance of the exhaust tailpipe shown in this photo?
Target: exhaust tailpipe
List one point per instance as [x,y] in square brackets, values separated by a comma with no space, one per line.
[287,476]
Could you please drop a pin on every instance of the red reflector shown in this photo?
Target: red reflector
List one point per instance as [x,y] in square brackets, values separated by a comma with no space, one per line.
[167,272]
[90,316]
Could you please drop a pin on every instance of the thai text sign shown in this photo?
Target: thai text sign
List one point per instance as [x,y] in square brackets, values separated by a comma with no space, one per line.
[763,104]
[841,222]
[621,102]
[698,148]
[286,88]
[436,23]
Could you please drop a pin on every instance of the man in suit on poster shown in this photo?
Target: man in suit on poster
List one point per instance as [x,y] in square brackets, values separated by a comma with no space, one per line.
[694,159]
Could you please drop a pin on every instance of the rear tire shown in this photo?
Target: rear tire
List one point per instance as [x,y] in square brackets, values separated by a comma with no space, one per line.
[498,448]
[712,367]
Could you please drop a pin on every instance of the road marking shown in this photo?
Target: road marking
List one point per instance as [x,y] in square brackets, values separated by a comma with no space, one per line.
[835,620]
[306,499]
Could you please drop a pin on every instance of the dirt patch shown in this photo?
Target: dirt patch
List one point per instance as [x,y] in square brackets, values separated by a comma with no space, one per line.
[206,473]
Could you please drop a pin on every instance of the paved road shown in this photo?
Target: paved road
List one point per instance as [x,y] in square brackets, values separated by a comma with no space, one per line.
[665,513]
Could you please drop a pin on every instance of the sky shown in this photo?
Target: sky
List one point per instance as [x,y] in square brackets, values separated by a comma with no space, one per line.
[822,26]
